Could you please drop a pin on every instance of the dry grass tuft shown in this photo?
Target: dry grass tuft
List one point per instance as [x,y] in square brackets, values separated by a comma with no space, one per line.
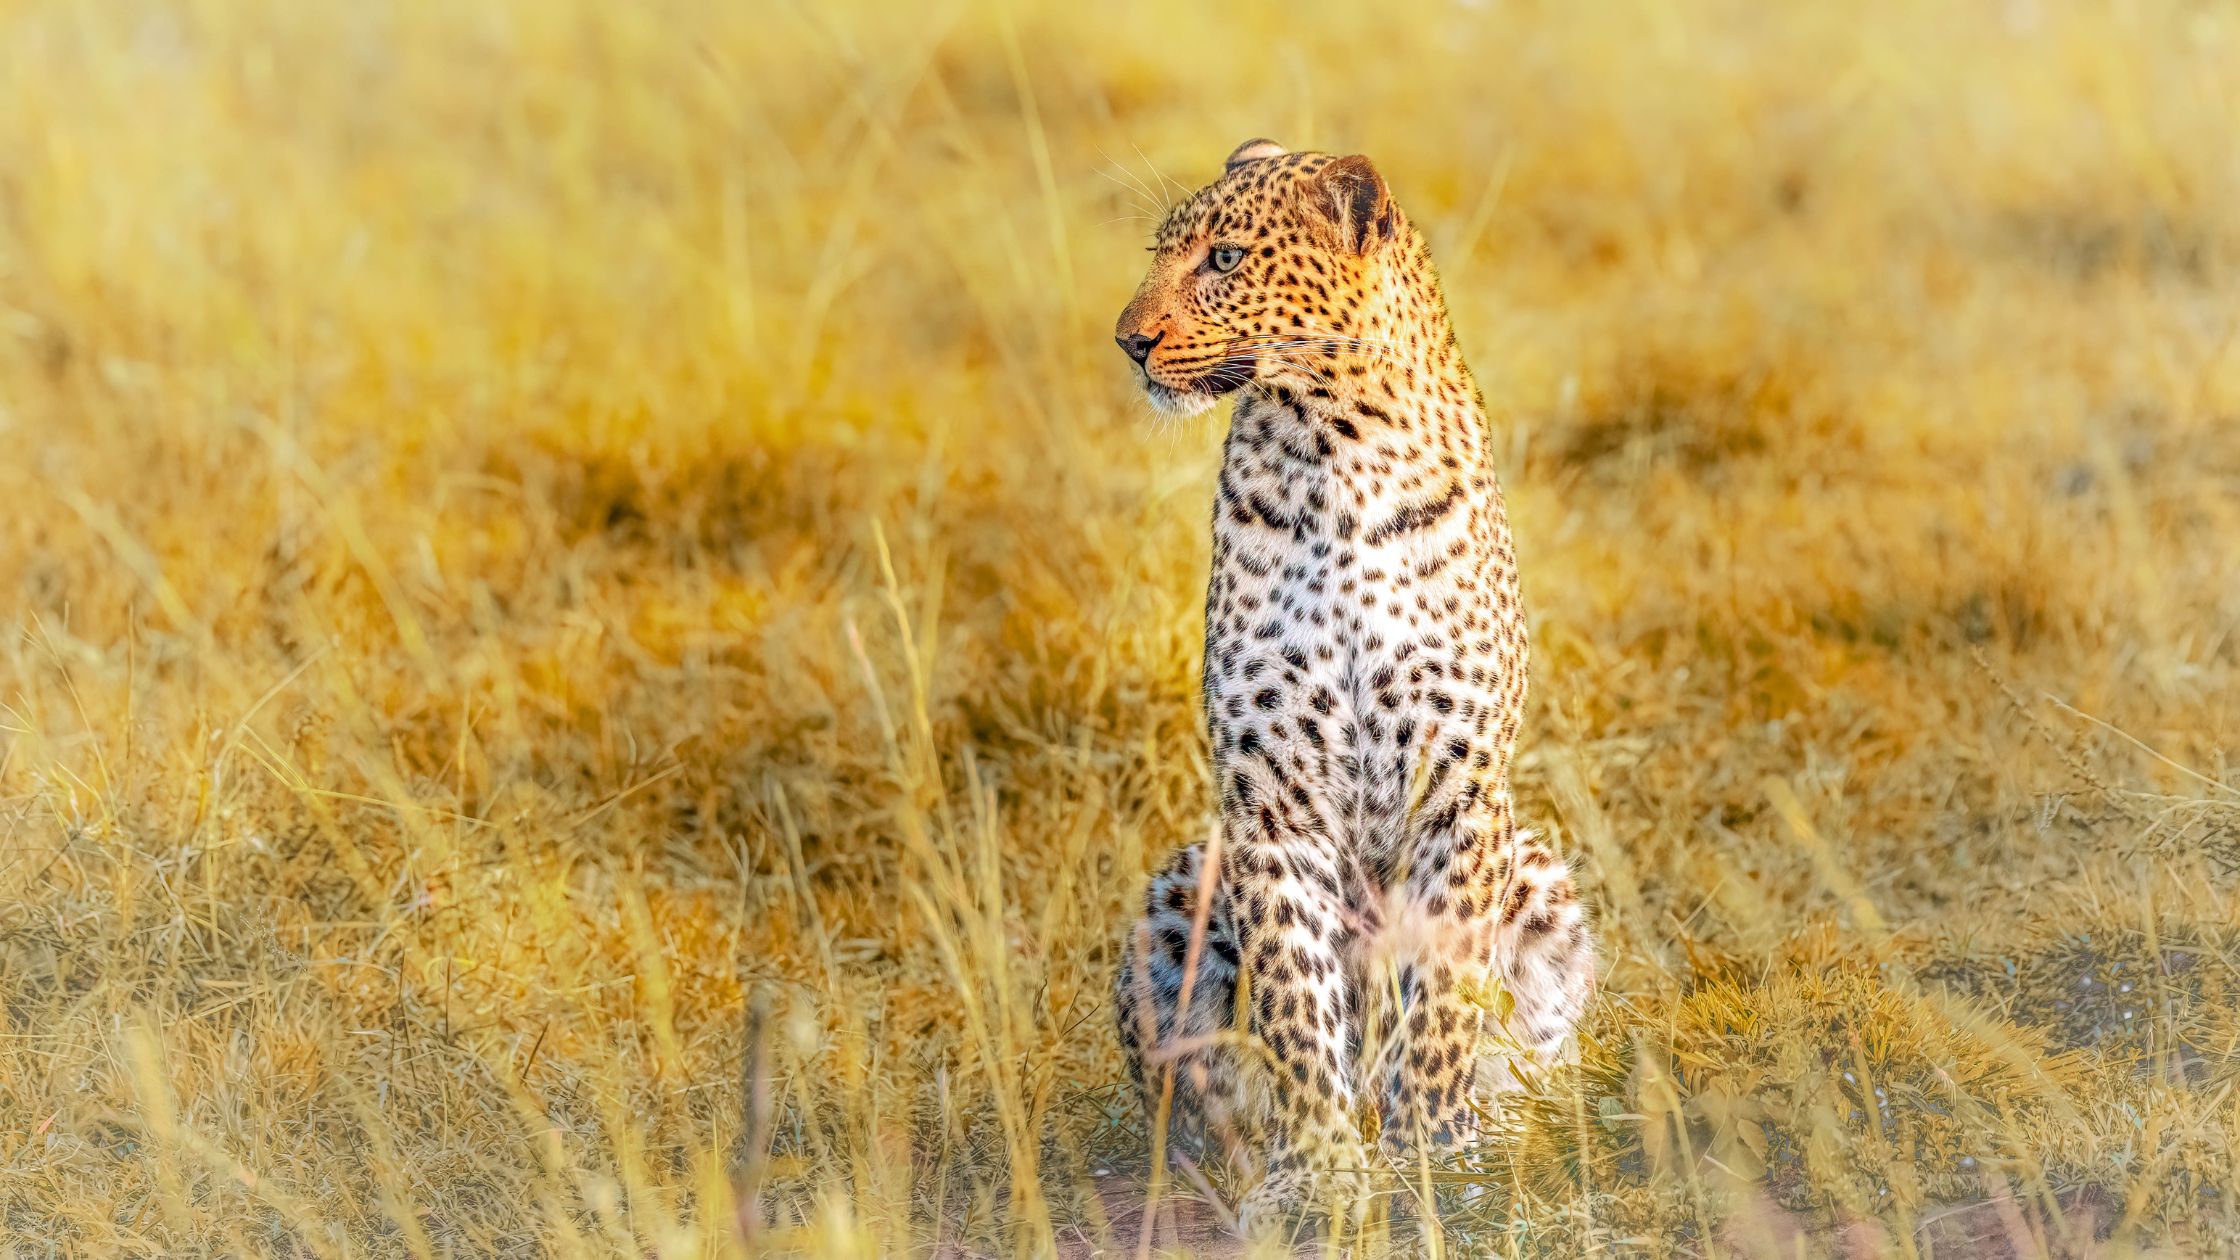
[597,641]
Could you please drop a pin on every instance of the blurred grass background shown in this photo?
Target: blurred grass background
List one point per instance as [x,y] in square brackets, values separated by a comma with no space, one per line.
[597,641]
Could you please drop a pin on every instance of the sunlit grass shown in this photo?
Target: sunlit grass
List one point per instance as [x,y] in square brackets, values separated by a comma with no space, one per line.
[597,644]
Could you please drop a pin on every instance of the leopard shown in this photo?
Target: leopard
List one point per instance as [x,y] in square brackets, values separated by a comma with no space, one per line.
[1367,950]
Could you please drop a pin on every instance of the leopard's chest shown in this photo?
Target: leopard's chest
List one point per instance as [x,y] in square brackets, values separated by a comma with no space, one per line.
[1355,623]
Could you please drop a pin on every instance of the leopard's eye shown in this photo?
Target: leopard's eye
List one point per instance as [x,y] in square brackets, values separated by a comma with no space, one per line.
[1225,257]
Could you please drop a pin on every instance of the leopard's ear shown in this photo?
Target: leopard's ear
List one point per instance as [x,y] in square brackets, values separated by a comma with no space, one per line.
[1353,196]
[1252,151]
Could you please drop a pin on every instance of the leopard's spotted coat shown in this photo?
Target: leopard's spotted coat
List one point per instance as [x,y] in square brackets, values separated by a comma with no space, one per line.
[1364,681]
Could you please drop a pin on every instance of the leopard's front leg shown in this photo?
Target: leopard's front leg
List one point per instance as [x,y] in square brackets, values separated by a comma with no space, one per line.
[1430,975]
[1282,871]
[1490,917]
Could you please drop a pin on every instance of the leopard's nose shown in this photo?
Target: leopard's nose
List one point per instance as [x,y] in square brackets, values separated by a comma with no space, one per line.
[1137,346]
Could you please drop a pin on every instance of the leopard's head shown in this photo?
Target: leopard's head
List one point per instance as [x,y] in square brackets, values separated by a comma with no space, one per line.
[1268,272]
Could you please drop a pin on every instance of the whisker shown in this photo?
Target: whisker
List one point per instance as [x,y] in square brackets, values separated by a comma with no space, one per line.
[1371,351]
[1144,200]
[1334,342]
[1318,339]
[1133,182]
[1296,352]
[1305,352]
[1158,174]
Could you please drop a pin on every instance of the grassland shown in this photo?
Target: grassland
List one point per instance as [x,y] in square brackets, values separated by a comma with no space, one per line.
[596,641]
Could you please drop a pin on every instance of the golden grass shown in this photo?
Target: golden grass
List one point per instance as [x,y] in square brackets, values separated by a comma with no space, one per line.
[597,640]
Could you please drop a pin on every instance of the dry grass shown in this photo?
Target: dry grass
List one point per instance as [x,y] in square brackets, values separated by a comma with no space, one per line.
[593,623]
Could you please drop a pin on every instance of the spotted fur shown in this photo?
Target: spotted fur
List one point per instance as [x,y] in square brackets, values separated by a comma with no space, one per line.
[1364,681]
